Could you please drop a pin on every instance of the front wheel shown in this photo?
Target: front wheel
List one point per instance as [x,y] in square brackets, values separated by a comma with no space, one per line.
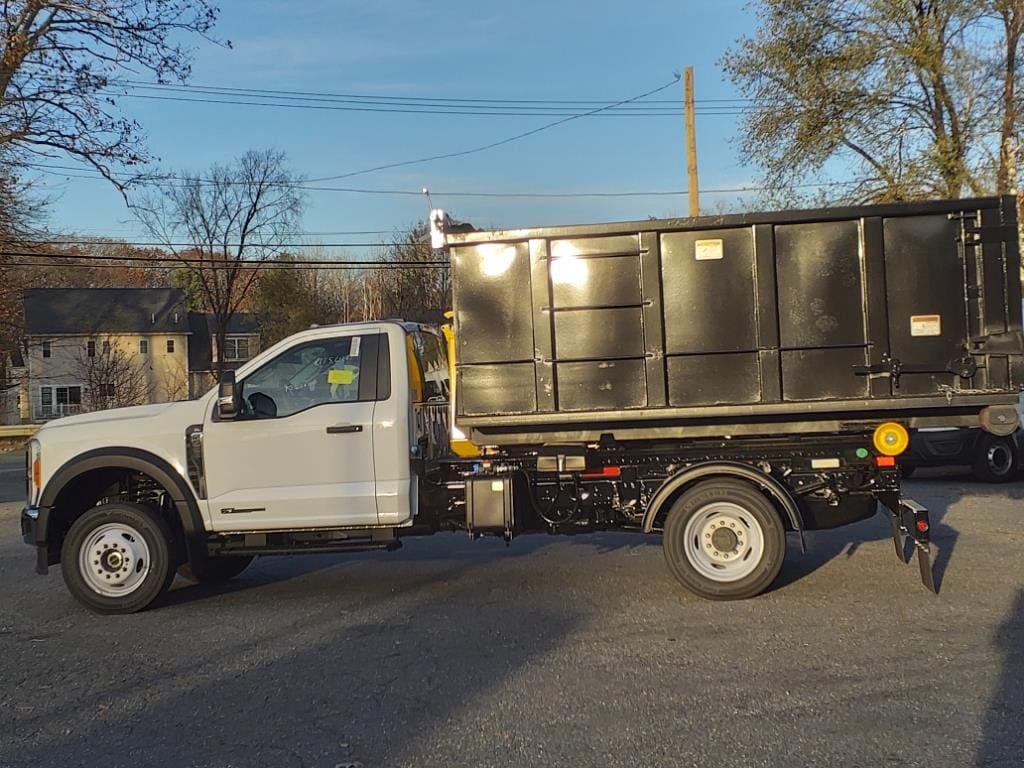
[995,459]
[116,558]
[724,540]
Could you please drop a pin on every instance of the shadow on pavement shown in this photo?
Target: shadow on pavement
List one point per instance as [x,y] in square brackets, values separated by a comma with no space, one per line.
[824,546]
[1002,740]
[368,684]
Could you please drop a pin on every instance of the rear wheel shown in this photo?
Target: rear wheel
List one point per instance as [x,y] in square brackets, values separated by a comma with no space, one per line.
[995,459]
[116,558]
[724,540]
[215,570]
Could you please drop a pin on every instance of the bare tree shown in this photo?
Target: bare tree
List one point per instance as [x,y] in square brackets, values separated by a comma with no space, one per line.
[234,218]
[408,290]
[59,65]
[112,378]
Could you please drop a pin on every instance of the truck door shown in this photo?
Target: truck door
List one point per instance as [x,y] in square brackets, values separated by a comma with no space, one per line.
[301,453]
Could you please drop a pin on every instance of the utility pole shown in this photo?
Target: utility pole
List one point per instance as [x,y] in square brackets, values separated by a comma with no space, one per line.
[691,144]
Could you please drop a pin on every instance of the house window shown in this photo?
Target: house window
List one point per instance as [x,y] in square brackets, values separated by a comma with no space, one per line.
[46,349]
[106,347]
[143,346]
[90,348]
[236,348]
[170,346]
[60,401]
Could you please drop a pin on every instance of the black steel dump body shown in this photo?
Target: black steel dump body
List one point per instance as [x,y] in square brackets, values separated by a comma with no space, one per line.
[799,321]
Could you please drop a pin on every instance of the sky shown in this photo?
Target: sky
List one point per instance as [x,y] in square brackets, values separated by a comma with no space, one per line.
[552,49]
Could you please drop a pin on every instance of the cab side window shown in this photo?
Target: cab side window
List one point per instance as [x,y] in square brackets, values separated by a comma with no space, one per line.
[334,370]
[433,361]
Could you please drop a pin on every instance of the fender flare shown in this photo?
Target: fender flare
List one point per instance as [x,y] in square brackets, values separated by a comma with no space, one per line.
[776,490]
[137,460]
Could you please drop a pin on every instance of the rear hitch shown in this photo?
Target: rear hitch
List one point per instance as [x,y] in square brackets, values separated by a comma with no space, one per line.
[909,521]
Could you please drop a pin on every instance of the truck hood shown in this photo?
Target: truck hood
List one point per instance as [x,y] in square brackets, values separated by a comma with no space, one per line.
[112,415]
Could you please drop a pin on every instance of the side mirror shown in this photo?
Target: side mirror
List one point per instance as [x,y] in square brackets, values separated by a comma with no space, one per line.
[228,404]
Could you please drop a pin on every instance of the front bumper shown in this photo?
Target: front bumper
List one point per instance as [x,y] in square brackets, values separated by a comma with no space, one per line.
[33,535]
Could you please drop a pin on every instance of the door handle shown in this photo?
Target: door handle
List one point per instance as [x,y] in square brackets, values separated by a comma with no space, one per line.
[344,429]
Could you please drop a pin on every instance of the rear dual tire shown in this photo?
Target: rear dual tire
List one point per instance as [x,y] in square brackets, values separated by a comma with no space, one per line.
[724,540]
[996,459]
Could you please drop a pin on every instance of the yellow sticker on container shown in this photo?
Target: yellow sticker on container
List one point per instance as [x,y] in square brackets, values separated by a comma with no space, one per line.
[340,376]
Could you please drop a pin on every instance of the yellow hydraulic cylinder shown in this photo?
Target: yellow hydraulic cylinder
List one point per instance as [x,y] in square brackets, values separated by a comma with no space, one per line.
[460,445]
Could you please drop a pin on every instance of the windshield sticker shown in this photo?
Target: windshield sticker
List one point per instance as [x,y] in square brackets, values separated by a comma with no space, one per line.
[340,376]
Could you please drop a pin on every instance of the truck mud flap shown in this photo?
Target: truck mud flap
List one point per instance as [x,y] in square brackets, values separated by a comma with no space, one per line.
[910,524]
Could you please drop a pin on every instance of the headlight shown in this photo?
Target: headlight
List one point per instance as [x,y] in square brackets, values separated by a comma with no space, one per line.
[34,480]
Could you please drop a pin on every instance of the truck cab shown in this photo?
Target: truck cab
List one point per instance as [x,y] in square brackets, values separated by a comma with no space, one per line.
[327,430]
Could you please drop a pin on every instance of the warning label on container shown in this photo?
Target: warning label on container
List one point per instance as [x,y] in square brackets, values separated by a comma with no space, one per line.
[705,250]
[925,325]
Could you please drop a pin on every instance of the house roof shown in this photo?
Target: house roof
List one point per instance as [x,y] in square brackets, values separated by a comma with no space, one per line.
[204,327]
[57,311]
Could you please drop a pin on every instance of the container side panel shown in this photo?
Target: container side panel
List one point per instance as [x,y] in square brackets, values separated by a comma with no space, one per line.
[767,314]
[654,329]
[924,276]
[823,374]
[543,335]
[878,314]
[708,291]
[599,333]
[590,246]
[725,379]
[496,389]
[596,386]
[995,305]
[494,321]
[820,287]
[595,282]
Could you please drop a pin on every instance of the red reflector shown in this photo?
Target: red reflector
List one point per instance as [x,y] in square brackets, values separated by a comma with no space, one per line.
[922,525]
[603,472]
[885,461]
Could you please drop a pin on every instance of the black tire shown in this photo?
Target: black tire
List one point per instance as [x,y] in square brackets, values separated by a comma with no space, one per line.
[215,570]
[995,459]
[151,575]
[753,506]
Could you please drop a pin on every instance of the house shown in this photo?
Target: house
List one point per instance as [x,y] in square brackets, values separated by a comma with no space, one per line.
[241,343]
[13,388]
[94,348]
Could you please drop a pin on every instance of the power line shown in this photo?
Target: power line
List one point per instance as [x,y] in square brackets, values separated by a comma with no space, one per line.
[155,244]
[218,263]
[368,266]
[506,195]
[494,144]
[314,95]
[462,111]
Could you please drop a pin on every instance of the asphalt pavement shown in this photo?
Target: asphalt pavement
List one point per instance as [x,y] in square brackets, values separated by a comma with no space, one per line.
[555,651]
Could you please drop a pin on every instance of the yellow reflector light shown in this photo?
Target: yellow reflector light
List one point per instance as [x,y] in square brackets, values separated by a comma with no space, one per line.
[891,439]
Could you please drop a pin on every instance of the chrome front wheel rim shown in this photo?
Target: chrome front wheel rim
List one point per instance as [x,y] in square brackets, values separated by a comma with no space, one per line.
[114,560]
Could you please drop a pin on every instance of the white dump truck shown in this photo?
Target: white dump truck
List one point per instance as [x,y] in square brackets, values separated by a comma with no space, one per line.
[719,381]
